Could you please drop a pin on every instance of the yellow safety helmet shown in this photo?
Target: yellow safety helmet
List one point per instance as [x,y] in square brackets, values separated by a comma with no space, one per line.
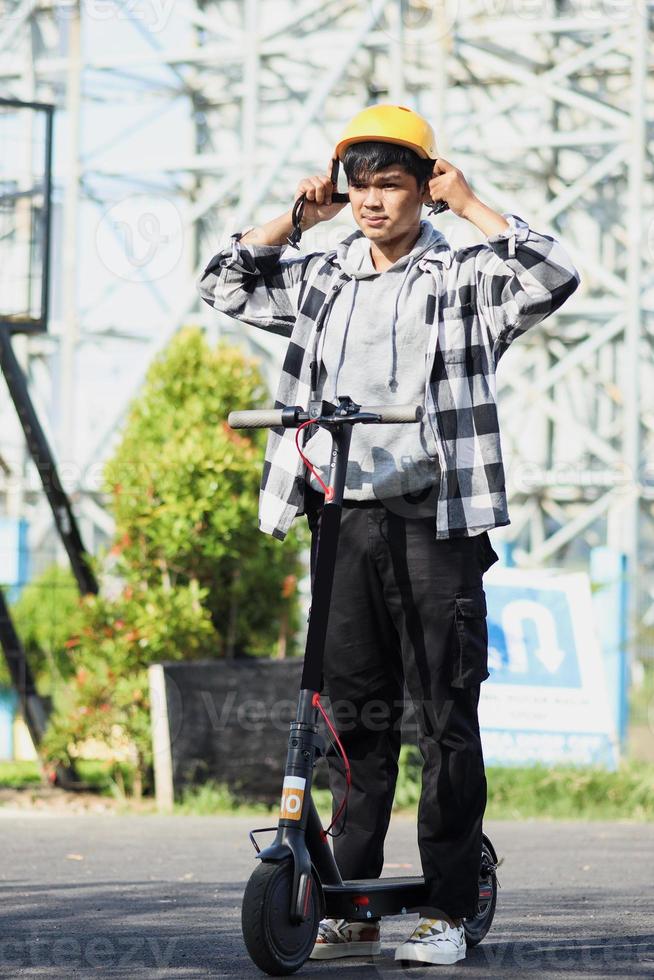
[389,124]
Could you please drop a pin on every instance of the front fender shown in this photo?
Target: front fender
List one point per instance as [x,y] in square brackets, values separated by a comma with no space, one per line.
[275,852]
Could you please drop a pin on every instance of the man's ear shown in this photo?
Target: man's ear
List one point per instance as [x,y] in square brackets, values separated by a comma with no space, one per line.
[426,196]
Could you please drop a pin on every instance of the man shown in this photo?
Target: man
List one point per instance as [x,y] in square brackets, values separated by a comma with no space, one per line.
[393,315]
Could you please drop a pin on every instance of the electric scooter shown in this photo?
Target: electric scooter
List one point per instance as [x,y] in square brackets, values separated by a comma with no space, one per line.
[297,882]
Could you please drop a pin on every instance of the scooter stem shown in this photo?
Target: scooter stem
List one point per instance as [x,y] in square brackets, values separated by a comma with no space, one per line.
[299,823]
[330,524]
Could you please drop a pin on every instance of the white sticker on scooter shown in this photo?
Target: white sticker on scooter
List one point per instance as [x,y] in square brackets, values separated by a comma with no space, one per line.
[292,797]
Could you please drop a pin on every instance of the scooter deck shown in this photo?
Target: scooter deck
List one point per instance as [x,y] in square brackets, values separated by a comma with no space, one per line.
[365,898]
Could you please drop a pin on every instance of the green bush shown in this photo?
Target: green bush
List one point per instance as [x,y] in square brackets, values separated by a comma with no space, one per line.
[108,699]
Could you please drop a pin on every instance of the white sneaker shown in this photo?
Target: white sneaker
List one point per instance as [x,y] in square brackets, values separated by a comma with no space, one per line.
[338,937]
[433,941]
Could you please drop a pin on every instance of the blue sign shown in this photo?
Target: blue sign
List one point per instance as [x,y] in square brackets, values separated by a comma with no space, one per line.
[539,625]
[546,699]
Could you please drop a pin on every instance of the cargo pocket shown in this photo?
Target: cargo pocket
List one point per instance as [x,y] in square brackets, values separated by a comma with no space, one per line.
[470,657]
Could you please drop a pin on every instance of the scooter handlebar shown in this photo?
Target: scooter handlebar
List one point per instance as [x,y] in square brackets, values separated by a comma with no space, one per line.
[395,413]
[262,418]
[255,418]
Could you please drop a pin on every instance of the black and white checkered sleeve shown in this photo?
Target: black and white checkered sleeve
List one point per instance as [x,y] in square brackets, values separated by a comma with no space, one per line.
[517,280]
[254,284]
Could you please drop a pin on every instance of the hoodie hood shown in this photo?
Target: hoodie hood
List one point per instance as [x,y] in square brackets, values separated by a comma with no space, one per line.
[353,256]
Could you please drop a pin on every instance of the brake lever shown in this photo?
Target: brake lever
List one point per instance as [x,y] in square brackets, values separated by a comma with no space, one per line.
[334,420]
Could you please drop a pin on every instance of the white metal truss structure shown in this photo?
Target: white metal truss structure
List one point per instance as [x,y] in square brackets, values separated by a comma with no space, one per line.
[546,107]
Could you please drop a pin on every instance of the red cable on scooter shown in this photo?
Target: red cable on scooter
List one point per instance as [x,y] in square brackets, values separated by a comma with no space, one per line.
[328,491]
[315,701]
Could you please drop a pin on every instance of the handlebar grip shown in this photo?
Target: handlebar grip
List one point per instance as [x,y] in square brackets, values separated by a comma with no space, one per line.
[255,418]
[396,413]
[262,418]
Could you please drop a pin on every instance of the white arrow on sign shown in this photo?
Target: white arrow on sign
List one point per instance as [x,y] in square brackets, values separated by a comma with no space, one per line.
[514,616]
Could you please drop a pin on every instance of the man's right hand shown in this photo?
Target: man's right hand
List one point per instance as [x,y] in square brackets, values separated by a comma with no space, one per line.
[317,207]
[318,204]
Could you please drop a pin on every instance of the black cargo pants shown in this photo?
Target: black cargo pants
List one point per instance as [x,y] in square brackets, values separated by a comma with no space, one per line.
[408,608]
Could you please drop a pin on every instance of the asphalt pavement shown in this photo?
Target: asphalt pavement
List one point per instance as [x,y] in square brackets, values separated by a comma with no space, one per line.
[149,896]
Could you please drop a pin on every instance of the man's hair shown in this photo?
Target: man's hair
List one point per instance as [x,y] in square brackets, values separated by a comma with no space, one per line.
[362,160]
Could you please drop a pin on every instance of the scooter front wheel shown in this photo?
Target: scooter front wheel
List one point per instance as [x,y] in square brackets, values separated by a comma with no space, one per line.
[277,945]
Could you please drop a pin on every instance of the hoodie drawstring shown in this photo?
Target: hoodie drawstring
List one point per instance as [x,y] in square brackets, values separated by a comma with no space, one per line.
[392,381]
[431,238]
[345,333]
[319,332]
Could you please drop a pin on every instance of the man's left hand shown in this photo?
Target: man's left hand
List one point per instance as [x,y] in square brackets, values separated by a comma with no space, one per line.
[448,184]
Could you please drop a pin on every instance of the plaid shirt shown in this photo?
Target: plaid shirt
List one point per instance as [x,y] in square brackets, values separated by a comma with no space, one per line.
[480,299]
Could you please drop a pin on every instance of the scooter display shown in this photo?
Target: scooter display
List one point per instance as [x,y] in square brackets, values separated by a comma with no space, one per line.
[297,882]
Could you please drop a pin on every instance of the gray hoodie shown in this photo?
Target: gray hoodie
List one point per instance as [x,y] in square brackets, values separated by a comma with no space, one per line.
[373,349]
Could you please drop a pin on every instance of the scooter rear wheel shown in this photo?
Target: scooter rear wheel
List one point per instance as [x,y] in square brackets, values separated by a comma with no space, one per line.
[477,927]
[275,944]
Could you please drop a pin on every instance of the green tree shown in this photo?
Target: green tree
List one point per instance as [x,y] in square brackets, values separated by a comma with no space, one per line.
[45,616]
[185,493]
[198,577]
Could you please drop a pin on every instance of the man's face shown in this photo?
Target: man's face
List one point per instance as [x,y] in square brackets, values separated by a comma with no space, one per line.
[386,205]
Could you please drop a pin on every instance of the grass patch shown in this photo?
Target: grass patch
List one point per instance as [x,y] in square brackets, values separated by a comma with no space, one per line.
[556,792]
[213,797]
[14,775]
[514,793]
[107,779]
[571,793]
